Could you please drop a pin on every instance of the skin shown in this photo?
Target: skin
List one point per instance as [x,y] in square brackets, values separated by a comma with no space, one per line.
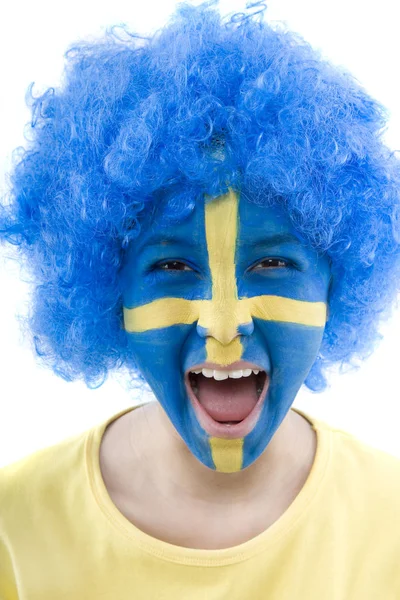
[219,299]
[157,484]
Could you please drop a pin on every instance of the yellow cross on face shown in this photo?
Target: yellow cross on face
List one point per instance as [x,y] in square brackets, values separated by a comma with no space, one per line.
[225,311]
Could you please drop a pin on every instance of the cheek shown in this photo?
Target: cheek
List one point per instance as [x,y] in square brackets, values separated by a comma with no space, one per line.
[157,350]
[292,349]
[156,354]
[160,354]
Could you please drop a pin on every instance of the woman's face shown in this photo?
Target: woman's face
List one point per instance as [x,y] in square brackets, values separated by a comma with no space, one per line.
[232,290]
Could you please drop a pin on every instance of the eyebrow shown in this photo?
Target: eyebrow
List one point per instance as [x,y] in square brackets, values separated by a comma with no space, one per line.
[167,240]
[274,240]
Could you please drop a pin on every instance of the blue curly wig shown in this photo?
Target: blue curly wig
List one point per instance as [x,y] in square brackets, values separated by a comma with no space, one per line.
[203,101]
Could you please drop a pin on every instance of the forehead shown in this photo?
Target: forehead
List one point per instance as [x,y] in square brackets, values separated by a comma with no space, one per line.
[254,223]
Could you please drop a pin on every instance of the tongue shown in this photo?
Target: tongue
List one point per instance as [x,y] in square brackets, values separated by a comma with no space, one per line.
[229,399]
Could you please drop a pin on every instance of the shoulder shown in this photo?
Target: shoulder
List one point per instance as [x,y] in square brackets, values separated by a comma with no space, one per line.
[42,474]
[364,472]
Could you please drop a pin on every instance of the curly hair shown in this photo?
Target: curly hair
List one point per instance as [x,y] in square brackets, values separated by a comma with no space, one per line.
[138,117]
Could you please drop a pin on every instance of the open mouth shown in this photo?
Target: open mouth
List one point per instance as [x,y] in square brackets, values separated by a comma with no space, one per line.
[230,400]
[232,404]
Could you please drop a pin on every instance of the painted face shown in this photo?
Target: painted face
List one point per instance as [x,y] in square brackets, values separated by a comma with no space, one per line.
[232,286]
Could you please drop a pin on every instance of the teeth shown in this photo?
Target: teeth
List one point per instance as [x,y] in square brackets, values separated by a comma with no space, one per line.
[220,375]
[208,372]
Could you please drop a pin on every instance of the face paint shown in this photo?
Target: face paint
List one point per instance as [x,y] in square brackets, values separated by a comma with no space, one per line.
[242,287]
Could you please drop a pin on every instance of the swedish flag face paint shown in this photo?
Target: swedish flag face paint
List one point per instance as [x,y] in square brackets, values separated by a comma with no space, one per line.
[231,286]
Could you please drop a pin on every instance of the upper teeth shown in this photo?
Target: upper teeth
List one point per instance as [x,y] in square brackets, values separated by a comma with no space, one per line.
[219,375]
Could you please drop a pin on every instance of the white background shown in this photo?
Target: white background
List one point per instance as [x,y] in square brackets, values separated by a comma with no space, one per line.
[37,408]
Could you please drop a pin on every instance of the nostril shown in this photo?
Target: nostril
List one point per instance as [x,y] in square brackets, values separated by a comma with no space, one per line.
[246,328]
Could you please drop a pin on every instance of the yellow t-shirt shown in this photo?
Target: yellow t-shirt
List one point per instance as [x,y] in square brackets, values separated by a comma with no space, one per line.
[61,536]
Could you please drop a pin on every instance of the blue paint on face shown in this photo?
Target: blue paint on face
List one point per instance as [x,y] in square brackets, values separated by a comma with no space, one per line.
[285,350]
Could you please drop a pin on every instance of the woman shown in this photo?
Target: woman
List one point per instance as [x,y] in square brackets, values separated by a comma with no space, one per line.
[212,208]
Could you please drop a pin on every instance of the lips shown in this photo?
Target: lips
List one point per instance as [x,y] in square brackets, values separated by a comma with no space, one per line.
[226,416]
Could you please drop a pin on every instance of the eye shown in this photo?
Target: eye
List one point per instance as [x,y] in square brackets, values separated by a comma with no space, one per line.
[176,265]
[271,263]
[164,266]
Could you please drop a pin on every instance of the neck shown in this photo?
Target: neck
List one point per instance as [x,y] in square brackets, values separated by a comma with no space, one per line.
[172,470]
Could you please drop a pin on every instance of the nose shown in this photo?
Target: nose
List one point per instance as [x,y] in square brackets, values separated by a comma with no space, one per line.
[224,321]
